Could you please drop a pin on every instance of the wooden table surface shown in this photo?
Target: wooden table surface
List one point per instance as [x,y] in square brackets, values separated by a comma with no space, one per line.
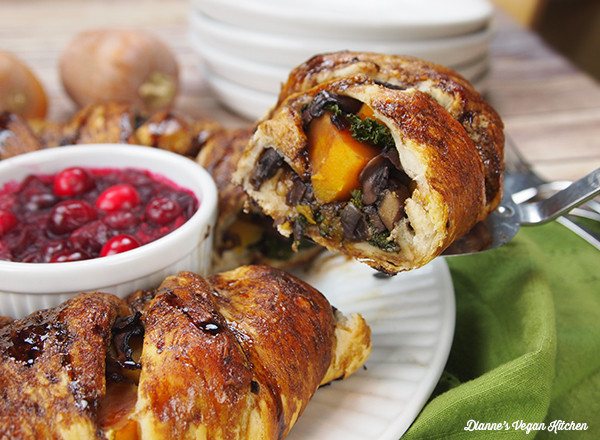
[551,109]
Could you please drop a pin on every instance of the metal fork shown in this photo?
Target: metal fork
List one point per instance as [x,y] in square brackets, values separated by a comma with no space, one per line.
[525,185]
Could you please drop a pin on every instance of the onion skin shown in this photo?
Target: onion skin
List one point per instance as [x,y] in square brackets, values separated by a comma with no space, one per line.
[20,90]
[120,65]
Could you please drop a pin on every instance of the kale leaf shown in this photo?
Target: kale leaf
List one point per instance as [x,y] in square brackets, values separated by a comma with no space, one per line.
[382,241]
[368,130]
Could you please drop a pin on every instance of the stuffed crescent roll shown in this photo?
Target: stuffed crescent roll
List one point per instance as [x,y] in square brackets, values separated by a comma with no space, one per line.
[382,173]
[480,121]
[237,355]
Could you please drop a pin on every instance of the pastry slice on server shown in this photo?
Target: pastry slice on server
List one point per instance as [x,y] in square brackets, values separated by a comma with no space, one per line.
[480,121]
[382,173]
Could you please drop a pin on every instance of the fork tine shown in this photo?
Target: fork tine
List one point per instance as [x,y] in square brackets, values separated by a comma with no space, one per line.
[593,205]
[522,177]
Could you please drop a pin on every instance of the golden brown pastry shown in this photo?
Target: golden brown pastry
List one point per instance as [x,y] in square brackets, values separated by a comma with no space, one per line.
[16,136]
[373,167]
[110,123]
[237,355]
[480,121]
[243,234]
[52,369]
[234,356]
[219,157]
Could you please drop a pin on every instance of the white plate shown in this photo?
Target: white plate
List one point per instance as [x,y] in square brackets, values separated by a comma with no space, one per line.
[246,72]
[412,318]
[482,83]
[267,78]
[248,103]
[288,50]
[474,70]
[374,19]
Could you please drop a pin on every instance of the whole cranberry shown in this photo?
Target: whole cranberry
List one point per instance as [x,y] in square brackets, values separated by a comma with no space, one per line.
[70,255]
[34,195]
[32,181]
[162,210]
[38,201]
[7,221]
[118,197]
[52,248]
[69,215]
[137,178]
[188,203]
[72,181]
[119,243]
[29,237]
[121,220]
[90,237]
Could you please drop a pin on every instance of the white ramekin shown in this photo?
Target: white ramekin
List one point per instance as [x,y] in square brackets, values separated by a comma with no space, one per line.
[26,287]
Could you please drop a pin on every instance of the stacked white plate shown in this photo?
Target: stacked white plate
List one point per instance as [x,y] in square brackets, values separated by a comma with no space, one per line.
[247,48]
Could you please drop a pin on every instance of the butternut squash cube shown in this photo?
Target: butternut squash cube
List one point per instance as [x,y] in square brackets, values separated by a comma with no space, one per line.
[336,159]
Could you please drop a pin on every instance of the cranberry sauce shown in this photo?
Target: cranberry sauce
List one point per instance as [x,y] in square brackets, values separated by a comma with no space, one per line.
[82,213]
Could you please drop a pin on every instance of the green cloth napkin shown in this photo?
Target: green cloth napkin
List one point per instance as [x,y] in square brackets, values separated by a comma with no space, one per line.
[527,344]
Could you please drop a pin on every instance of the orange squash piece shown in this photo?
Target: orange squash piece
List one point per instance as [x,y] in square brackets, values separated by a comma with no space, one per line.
[128,432]
[366,112]
[246,232]
[114,411]
[336,159]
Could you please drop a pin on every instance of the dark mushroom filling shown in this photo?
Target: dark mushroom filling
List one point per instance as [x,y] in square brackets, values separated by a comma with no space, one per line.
[122,360]
[368,209]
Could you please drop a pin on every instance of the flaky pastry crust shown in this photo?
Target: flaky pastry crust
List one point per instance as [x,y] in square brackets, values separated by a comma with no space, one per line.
[447,176]
[480,121]
[237,355]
